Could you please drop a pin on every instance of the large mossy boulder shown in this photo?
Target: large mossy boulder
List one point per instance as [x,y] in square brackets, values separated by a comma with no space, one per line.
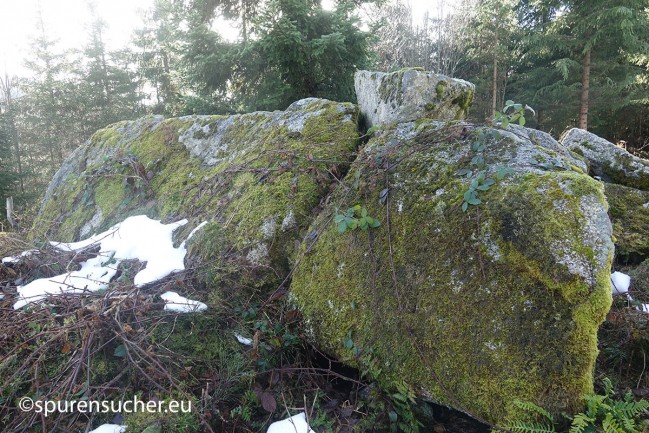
[607,161]
[411,94]
[255,177]
[474,309]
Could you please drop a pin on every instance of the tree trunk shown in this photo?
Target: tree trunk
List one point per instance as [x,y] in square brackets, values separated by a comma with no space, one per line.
[585,88]
[10,212]
[244,22]
[494,94]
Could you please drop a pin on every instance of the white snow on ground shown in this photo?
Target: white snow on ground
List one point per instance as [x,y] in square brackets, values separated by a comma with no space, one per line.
[621,283]
[109,428]
[18,258]
[137,237]
[241,339]
[294,424]
[180,304]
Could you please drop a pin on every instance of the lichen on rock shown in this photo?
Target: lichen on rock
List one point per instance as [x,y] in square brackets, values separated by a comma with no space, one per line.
[411,94]
[607,161]
[436,298]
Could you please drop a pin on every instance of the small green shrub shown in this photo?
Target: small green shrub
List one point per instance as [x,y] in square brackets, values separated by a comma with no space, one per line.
[517,114]
[356,217]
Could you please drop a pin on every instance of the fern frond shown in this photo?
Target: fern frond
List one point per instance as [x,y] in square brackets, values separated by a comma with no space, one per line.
[608,387]
[610,425]
[530,427]
[580,423]
[593,404]
[532,408]
[627,409]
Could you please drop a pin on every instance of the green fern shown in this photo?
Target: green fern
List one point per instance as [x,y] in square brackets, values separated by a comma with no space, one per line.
[603,414]
[582,423]
[610,424]
[532,408]
[530,427]
[546,425]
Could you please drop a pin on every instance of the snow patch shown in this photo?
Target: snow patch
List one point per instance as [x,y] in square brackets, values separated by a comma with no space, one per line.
[135,238]
[294,424]
[180,304]
[243,340]
[621,283]
[109,428]
[18,258]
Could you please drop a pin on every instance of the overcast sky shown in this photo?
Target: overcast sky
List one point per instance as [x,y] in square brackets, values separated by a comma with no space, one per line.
[67,20]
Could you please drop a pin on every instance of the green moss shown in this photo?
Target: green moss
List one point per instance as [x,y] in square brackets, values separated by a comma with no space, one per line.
[104,367]
[180,422]
[630,220]
[109,194]
[622,173]
[439,89]
[489,294]
[464,101]
[68,231]
[413,68]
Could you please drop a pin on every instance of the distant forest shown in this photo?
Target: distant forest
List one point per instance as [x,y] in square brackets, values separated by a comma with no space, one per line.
[578,63]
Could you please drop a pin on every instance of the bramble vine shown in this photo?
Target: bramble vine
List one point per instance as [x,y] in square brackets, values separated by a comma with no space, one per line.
[477,170]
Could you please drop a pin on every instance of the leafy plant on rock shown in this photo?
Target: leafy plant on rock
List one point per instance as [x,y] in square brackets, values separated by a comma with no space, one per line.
[356,217]
[512,113]
[477,170]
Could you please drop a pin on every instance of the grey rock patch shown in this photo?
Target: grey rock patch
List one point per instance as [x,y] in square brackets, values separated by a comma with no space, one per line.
[387,98]
[89,227]
[607,161]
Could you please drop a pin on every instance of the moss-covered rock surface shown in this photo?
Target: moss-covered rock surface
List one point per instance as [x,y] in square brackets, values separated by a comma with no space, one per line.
[629,211]
[607,161]
[255,177]
[474,309]
[460,263]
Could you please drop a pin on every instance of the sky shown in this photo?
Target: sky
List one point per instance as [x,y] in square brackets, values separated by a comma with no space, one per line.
[68,20]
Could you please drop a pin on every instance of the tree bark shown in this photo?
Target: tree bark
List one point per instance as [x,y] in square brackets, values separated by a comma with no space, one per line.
[10,211]
[585,88]
[244,22]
